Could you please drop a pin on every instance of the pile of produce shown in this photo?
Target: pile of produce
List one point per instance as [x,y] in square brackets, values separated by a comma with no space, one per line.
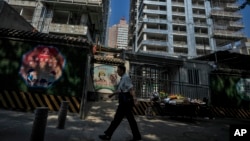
[179,99]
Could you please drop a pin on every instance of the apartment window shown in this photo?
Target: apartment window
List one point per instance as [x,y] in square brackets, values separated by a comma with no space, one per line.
[163,17]
[60,17]
[201,30]
[163,8]
[193,76]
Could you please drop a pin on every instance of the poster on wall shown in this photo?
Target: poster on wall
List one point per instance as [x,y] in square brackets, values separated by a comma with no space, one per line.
[42,66]
[105,78]
[230,91]
[243,88]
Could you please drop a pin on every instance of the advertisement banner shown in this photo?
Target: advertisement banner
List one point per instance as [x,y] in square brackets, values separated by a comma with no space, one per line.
[105,78]
[230,91]
[42,68]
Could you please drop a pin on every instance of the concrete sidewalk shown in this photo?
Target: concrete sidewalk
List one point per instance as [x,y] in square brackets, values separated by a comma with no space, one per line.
[17,126]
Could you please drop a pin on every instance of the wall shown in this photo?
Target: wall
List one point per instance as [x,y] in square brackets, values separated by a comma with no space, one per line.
[42,68]
[204,70]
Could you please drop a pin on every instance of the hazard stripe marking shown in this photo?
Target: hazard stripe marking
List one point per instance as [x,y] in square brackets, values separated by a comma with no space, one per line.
[9,99]
[17,99]
[54,101]
[70,105]
[48,103]
[14,99]
[242,112]
[59,97]
[3,101]
[76,102]
[25,100]
[32,100]
[39,100]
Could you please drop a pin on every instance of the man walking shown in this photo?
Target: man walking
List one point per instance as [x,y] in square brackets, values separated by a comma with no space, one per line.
[126,101]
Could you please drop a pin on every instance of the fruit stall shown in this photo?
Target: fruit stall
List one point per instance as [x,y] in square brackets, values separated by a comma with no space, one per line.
[176,105]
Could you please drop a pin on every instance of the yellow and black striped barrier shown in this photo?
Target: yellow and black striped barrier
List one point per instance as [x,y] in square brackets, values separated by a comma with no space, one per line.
[230,112]
[26,101]
[214,111]
[142,107]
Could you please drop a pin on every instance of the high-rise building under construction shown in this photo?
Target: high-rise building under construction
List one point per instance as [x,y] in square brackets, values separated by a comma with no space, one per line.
[187,28]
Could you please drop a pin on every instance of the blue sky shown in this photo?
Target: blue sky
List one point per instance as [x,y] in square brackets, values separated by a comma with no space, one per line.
[120,8]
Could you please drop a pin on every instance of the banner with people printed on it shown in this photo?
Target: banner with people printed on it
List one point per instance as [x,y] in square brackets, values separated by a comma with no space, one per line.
[42,66]
[105,78]
[230,91]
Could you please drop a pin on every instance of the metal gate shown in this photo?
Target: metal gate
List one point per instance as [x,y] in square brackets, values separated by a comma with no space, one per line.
[151,79]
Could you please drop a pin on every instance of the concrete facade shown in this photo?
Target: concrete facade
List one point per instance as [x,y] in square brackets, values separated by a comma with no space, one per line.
[183,28]
[248,46]
[112,38]
[78,18]
[118,35]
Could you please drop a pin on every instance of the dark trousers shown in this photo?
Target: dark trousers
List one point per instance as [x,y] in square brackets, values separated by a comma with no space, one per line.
[124,110]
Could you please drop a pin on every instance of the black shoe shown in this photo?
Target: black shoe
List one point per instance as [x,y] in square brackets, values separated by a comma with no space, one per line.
[104,137]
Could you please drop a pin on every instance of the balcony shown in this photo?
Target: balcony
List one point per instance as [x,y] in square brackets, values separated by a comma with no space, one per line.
[199,15]
[236,25]
[203,47]
[231,1]
[200,24]
[156,52]
[68,29]
[154,42]
[180,44]
[228,34]
[154,2]
[179,22]
[178,13]
[176,32]
[198,6]
[230,15]
[178,4]
[85,2]
[155,11]
[22,3]
[156,20]
[155,31]
[231,7]
[204,35]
